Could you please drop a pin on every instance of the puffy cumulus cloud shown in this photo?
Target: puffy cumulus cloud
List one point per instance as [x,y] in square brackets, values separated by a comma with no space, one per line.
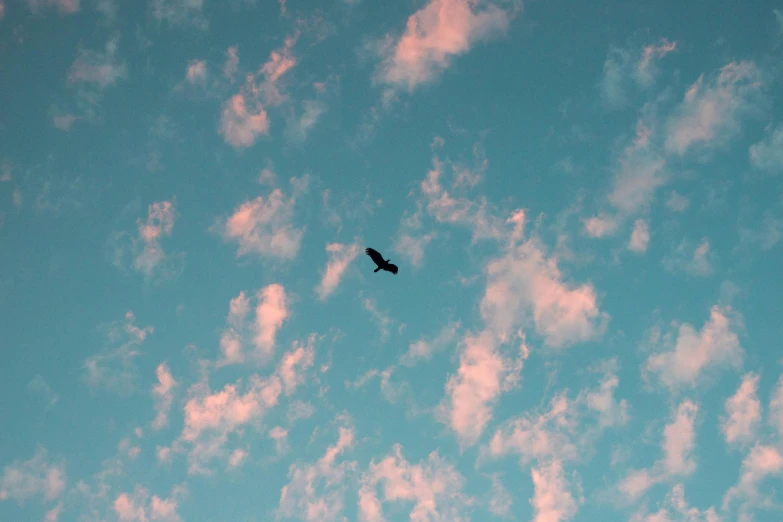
[552,501]
[340,258]
[675,507]
[434,487]
[36,477]
[624,67]
[640,237]
[210,417]
[162,392]
[678,445]
[697,261]
[483,374]
[315,491]
[63,6]
[743,411]
[767,154]
[264,226]
[525,288]
[196,71]
[694,353]
[179,12]
[113,368]
[435,35]
[138,506]
[710,113]
[242,121]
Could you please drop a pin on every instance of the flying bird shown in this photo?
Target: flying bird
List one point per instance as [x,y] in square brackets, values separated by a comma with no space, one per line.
[383,264]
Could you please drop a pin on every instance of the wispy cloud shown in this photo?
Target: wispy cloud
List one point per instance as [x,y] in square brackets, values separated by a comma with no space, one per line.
[196,71]
[113,368]
[139,506]
[552,501]
[63,6]
[624,67]
[696,261]
[640,237]
[40,387]
[709,115]
[340,258]
[767,154]
[179,12]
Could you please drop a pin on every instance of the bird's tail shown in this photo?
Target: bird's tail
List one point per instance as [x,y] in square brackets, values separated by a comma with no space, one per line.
[377,269]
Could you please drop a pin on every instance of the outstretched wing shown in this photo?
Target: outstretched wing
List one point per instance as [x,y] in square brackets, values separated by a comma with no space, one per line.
[375,256]
[392,268]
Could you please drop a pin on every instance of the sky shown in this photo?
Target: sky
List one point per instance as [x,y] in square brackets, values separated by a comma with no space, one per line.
[584,200]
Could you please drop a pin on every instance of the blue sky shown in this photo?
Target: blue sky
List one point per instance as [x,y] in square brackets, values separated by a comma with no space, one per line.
[584,201]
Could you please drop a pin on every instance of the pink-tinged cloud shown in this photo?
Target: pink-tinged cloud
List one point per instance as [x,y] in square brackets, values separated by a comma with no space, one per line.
[340,257]
[280,436]
[500,501]
[694,353]
[113,368]
[295,363]
[150,257]
[64,121]
[679,439]
[767,154]
[197,71]
[53,515]
[432,486]
[565,430]
[140,507]
[623,67]
[552,501]
[2,9]
[446,208]
[696,261]
[231,65]
[639,173]
[743,412]
[162,392]
[242,121]
[776,407]
[645,68]
[36,477]
[127,510]
[676,508]
[98,68]
[524,287]
[640,237]
[237,458]
[435,35]
[762,462]
[264,226]
[64,6]
[315,492]
[711,110]
[271,312]
[600,226]
[472,392]
[422,350]
[179,12]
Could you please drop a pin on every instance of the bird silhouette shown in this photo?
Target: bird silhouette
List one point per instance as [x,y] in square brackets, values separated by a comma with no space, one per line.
[383,264]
